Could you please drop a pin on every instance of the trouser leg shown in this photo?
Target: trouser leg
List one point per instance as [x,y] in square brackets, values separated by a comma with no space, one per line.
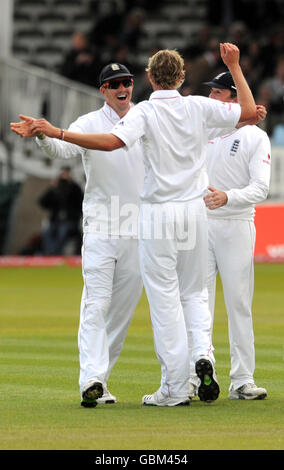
[234,254]
[98,265]
[192,270]
[158,260]
[127,289]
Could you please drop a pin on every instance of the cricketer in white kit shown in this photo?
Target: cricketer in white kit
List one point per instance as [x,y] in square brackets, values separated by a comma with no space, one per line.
[174,131]
[110,262]
[238,166]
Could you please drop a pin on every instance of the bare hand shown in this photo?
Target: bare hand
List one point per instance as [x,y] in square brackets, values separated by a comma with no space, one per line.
[230,54]
[31,127]
[215,199]
[25,127]
[260,116]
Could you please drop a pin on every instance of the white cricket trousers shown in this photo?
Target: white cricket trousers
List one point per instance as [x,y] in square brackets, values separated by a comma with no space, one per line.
[231,252]
[112,289]
[174,274]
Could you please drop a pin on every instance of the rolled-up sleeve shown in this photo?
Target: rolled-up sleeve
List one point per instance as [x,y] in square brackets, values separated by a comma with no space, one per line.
[220,114]
[131,127]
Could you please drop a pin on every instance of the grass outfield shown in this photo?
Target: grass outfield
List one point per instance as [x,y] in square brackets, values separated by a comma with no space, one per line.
[40,402]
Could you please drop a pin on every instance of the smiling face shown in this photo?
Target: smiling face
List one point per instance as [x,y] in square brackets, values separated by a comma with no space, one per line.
[118,99]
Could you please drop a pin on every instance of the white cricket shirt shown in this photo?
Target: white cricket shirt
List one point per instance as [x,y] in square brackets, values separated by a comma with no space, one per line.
[114,180]
[174,131]
[239,164]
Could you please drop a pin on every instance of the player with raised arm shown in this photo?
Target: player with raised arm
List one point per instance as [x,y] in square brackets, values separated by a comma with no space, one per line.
[239,173]
[174,132]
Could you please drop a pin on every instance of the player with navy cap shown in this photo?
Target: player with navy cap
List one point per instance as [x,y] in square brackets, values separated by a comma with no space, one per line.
[223,81]
[114,71]
[238,166]
[110,264]
[174,132]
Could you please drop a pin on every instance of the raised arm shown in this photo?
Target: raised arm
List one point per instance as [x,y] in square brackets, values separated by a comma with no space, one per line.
[230,55]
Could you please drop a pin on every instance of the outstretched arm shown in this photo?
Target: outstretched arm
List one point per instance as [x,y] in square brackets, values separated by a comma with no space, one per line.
[106,142]
[30,127]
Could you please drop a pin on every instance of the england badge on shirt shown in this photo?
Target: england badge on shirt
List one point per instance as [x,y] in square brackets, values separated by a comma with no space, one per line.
[234,147]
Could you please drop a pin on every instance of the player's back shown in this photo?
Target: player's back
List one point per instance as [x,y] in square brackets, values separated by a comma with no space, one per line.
[174,130]
[174,148]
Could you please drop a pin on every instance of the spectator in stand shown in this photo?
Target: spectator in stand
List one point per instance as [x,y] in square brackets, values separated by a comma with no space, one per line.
[207,64]
[270,94]
[121,55]
[114,30]
[250,72]
[81,63]
[239,33]
[275,87]
[63,200]
[273,46]
[104,34]
[131,31]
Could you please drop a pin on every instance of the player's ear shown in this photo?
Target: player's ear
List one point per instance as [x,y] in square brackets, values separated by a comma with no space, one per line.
[102,90]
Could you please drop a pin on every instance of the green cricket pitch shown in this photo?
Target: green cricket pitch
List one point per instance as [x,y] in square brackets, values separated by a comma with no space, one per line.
[40,402]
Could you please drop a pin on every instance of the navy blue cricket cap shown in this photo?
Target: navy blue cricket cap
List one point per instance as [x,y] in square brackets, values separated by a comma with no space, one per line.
[112,71]
[223,81]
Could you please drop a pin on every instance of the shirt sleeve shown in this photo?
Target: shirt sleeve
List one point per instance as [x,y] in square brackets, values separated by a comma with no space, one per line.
[131,127]
[259,172]
[56,148]
[221,115]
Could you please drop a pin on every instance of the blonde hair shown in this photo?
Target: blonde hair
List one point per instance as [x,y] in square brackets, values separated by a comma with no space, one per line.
[166,68]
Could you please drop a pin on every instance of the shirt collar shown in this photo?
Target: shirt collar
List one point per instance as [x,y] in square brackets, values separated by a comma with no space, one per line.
[111,113]
[164,94]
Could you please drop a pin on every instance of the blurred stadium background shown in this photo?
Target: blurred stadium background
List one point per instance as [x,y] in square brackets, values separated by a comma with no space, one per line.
[51,52]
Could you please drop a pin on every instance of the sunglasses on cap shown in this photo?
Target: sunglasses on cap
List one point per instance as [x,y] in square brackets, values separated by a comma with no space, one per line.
[114,85]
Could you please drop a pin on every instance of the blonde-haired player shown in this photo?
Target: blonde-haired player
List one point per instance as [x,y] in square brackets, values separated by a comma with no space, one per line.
[174,132]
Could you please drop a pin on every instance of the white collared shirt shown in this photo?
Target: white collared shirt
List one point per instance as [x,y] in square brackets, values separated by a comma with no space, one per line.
[174,132]
[114,180]
[239,163]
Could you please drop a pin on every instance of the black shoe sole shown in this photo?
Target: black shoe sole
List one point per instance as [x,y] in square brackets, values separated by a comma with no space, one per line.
[90,396]
[261,397]
[209,389]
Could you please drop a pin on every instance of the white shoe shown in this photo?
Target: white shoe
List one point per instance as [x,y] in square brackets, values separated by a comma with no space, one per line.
[90,394]
[208,389]
[247,392]
[193,390]
[159,399]
[107,397]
